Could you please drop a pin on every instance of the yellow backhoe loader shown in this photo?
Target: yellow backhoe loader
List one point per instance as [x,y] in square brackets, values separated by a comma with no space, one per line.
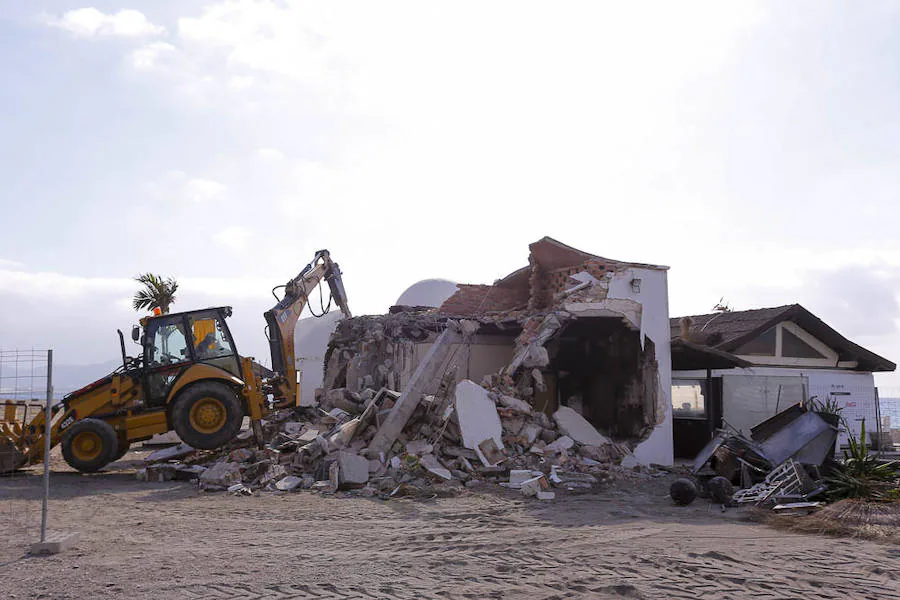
[189,378]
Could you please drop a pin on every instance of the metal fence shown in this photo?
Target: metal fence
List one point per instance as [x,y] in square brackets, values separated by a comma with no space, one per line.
[26,389]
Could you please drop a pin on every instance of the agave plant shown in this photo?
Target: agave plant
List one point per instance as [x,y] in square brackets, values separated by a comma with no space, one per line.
[862,475]
[829,406]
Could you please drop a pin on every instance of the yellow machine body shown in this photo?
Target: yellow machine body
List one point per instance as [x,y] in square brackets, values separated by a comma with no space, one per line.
[186,361]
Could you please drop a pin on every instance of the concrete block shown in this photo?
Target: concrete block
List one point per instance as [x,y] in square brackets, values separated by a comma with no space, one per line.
[519,476]
[353,470]
[577,427]
[163,472]
[55,543]
[477,415]
[531,487]
[546,495]
[221,474]
[290,482]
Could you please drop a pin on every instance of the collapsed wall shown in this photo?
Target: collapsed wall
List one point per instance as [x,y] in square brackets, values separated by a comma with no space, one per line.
[574,336]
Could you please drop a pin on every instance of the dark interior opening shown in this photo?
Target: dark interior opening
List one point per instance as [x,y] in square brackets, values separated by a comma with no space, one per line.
[605,374]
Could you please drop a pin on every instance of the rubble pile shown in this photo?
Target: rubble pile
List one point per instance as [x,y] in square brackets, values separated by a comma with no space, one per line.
[463,435]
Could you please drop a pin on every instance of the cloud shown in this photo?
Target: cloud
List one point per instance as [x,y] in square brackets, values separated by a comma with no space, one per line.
[269,154]
[150,55]
[203,190]
[10,265]
[234,237]
[90,22]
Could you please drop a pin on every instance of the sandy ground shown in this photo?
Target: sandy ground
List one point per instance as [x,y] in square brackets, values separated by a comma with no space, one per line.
[168,540]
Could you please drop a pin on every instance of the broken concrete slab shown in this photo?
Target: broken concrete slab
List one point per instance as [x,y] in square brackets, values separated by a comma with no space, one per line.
[629,461]
[290,482]
[422,378]
[188,472]
[477,415]
[169,453]
[531,487]
[161,472]
[489,454]
[546,495]
[353,470]
[308,436]
[221,475]
[431,464]
[561,444]
[519,476]
[578,428]
[530,433]
[418,447]
[515,404]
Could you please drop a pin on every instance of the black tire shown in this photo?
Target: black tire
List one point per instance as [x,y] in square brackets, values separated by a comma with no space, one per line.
[89,445]
[199,400]
[123,449]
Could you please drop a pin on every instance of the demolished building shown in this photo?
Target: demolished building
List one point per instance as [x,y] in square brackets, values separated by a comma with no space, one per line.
[570,330]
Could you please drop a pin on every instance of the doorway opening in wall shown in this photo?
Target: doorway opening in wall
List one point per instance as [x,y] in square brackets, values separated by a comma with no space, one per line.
[602,372]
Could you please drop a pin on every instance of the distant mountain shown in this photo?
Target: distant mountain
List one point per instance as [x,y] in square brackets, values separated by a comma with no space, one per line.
[67,378]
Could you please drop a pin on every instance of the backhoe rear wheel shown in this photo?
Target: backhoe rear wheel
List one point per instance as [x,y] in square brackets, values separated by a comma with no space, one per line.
[207,415]
[89,445]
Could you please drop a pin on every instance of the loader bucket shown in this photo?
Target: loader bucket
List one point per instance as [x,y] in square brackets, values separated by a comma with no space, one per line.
[12,418]
[11,459]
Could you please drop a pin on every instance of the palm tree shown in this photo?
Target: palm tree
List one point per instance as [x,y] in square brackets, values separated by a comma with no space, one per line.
[157,292]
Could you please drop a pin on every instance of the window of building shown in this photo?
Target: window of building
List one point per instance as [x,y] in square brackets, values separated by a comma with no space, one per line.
[764,345]
[689,399]
[793,346]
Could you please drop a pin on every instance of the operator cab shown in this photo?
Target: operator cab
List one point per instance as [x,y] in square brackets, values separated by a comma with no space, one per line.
[175,341]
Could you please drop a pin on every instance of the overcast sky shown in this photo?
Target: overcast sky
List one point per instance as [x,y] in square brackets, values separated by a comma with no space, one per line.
[751,147]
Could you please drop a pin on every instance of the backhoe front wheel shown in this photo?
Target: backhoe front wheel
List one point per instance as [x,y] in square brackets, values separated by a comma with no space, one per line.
[207,415]
[89,445]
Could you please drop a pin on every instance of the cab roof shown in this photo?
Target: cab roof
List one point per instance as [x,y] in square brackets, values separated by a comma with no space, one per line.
[225,310]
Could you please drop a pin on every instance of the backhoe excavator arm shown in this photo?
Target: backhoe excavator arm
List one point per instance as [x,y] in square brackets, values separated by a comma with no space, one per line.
[283,317]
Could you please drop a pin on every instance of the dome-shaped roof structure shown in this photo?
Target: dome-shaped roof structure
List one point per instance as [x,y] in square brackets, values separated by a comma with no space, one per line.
[428,292]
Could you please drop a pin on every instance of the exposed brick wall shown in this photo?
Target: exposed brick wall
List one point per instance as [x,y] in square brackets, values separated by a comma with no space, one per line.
[558,280]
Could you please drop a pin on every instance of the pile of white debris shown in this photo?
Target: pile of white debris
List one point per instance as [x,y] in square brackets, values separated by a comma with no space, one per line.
[379,443]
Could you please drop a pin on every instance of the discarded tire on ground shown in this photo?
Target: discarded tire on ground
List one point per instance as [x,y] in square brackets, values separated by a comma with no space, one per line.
[720,490]
[683,491]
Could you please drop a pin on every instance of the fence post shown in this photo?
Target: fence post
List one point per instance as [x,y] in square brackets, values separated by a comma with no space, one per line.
[47,413]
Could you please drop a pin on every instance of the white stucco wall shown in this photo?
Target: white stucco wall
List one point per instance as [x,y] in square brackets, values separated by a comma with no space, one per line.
[310,342]
[855,392]
[750,398]
[751,395]
[654,299]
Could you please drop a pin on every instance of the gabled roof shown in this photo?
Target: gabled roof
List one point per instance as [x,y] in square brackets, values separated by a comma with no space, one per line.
[727,331]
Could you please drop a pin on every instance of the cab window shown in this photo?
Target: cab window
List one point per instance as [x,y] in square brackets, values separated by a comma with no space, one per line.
[210,340]
[212,344]
[169,343]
